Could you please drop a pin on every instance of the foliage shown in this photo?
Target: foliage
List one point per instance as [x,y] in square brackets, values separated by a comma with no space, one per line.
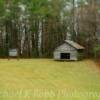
[96,51]
[3,52]
[1,8]
[37,27]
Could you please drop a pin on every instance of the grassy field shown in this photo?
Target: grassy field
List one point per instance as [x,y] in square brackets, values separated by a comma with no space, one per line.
[45,79]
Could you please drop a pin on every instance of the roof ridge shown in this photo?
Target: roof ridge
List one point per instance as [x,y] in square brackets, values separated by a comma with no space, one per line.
[74,44]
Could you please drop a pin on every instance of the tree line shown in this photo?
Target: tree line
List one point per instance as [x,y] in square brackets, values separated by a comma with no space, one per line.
[37,27]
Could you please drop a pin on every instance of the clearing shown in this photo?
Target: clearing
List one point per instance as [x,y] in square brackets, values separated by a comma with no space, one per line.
[45,79]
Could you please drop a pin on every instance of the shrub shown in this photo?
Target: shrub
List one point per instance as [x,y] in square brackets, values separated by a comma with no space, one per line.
[96,51]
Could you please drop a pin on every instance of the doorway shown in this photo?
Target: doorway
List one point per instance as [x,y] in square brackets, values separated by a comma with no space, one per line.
[65,56]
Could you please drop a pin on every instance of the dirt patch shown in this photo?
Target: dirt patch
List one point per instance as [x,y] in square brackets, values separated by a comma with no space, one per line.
[97,63]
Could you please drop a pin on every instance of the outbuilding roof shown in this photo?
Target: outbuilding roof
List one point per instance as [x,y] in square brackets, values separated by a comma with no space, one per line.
[74,44]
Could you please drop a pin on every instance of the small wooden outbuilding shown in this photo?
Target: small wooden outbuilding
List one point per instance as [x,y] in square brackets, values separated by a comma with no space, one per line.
[69,50]
[13,53]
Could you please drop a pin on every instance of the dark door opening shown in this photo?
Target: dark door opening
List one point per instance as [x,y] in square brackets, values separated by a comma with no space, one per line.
[65,55]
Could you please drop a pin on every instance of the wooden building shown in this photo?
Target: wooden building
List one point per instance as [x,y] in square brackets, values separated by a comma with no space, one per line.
[69,50]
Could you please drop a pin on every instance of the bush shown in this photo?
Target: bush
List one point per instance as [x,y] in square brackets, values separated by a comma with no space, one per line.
[3,52]
[96,51]
[35,53]
[80,56]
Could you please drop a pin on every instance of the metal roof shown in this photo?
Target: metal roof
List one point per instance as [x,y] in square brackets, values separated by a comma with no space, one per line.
[74,44]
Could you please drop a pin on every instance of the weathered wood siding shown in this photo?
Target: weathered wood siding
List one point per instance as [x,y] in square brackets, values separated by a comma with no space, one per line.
[65,48]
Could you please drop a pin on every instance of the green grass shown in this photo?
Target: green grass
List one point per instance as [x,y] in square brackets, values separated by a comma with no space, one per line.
[45,79]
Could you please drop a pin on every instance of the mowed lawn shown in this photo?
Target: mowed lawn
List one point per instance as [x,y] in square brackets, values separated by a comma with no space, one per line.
[45,79]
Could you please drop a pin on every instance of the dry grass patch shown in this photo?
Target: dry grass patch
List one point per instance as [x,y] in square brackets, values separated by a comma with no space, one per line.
[44,79]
